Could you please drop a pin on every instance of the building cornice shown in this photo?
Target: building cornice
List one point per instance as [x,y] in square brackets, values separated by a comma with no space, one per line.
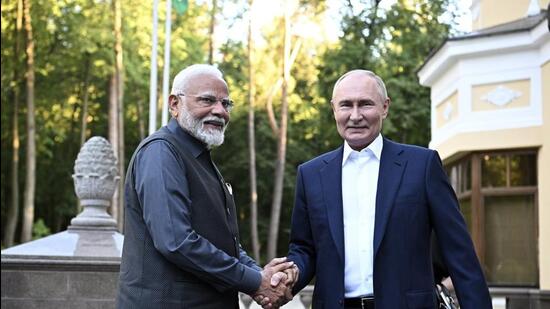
[529,33]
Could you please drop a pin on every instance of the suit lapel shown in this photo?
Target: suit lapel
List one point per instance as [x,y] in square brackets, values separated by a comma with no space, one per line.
[392,166]
[331,181]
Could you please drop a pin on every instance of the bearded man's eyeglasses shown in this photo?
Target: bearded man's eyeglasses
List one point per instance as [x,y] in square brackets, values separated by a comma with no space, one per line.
[210,100]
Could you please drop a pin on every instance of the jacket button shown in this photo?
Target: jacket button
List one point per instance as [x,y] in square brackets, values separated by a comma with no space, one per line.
[341,302]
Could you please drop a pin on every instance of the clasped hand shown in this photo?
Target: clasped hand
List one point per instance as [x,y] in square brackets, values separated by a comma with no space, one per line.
[278,278]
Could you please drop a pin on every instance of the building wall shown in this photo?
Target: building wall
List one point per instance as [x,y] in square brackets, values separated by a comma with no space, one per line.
[490,97]
[447,110]
[544,184]
[488,13]
[491,93]
[498,103]
[530,137]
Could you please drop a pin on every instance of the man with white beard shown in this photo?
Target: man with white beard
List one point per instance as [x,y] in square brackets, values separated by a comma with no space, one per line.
[181,246]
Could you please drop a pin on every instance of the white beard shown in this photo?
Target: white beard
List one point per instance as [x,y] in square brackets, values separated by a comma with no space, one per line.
[195,127]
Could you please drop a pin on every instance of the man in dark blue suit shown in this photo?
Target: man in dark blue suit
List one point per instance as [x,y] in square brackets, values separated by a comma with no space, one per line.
[364,214]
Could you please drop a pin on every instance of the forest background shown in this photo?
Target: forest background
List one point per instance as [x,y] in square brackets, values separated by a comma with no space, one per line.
[72,69]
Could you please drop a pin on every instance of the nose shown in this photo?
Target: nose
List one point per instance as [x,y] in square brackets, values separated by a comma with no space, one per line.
[219,110]
[355,114]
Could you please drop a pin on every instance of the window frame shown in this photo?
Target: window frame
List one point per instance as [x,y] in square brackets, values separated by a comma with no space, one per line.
[477,194]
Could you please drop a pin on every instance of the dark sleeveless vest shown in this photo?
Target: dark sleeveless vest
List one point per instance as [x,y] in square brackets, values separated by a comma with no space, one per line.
[213,217]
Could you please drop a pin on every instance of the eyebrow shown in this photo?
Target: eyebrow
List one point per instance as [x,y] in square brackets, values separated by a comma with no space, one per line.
[210,94]
[355,100]
[205,94]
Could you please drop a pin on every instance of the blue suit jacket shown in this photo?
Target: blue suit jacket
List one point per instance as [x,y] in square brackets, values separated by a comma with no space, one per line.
[413,198]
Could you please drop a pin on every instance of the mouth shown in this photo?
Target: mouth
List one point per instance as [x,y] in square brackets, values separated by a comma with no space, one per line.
[216,124]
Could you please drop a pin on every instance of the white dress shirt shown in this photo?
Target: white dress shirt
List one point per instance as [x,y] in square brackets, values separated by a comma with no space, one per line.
[359,182]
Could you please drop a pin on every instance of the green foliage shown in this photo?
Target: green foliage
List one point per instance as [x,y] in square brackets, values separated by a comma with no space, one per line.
[39,229]
[393,44]
[75,36]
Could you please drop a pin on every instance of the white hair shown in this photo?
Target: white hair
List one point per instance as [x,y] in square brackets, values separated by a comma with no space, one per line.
[379,82]
[182,78]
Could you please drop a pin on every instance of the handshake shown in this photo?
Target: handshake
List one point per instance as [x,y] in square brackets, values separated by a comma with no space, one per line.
[278,278]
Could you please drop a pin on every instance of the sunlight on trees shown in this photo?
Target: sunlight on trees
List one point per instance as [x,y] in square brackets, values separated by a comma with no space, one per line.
[74,59]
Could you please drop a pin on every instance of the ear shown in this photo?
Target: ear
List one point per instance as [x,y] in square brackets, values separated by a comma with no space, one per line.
[173,102]
[386,107]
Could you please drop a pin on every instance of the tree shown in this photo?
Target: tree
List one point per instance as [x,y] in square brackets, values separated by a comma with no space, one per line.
[281,144]
[211,31]
[72,74]
[119,81]
[252,143]
[86,92]
[412,33]
[30,179]
[393,44]
[76,65]
[13,211]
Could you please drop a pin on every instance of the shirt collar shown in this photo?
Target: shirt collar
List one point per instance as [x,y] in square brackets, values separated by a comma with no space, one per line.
[375,147]
[195,146]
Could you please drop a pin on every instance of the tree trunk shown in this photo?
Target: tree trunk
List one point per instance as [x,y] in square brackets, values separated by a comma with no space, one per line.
[281,148]
[13,210]
[30,177]
[84,110]
[211,31]
[85,96]
[141,121]
[119,78]
[269,103]
[252,145]
[113,136]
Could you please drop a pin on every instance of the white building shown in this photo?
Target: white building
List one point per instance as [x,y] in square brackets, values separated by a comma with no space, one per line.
[490,119]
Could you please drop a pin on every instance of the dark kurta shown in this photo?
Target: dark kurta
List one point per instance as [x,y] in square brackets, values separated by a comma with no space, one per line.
[181,246]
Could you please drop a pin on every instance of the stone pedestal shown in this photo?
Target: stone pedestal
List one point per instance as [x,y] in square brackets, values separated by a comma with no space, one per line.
[77,268]
[59,282]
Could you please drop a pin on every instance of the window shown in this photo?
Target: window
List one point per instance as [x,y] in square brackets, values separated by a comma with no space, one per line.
[466,209]
[493,171]
[497,192]
[510,243]
[460,176]
[508,170]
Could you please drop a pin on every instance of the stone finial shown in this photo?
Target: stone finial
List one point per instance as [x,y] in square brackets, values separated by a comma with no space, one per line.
[95,180]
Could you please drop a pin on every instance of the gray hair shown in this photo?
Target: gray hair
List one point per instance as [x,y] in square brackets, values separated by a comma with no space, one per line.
[379,82]
[182,78]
